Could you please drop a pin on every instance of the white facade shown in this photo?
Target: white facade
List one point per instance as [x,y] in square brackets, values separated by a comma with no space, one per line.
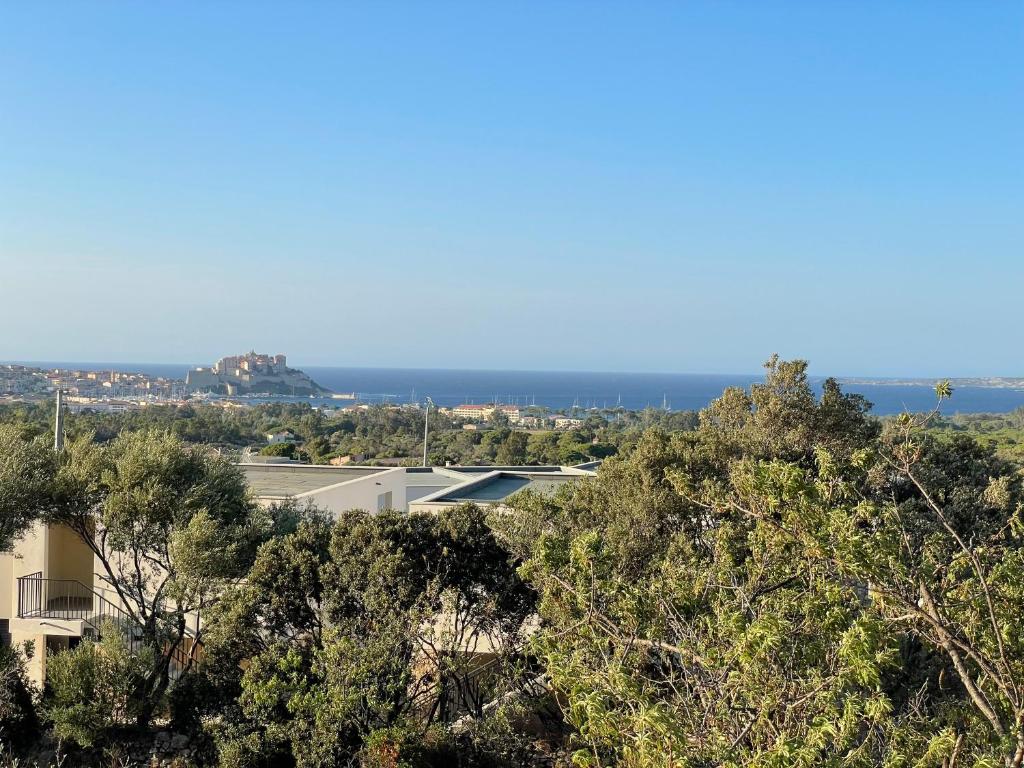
[484,412]
[406,489]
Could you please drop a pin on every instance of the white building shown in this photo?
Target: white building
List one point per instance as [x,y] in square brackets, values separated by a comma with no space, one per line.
[567,422]
[406,489]
[284,436]
[484,412]
[52,588]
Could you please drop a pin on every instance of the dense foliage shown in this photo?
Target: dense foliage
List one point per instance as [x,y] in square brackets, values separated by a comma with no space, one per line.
[786,586]
[783,581]
[376,434]
[26,466]
[92,689]
[1002,431]
[18,720]
[351,634]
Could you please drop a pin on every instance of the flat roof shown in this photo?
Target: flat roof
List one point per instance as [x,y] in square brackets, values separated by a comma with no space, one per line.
[481,469]
[484,484]
[282,481]
[504,484]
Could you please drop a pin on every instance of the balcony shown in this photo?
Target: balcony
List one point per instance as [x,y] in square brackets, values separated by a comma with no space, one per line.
[67,600]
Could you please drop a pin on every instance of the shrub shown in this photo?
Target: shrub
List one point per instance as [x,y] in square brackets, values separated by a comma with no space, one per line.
[406,747]
[18,720]
[286,450]
[91,688]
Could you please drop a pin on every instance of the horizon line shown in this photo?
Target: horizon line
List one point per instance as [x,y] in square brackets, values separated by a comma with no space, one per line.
[85,364]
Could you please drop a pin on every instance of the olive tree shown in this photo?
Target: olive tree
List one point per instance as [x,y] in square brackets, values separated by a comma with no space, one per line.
[171,526]
[27,467]
[348,634]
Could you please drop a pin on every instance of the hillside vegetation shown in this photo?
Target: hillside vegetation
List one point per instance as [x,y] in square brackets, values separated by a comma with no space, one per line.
[789,582]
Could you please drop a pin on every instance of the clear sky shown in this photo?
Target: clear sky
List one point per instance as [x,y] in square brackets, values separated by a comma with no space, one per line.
[685,186]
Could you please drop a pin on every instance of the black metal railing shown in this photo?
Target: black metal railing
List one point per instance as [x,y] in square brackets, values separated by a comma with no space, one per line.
[29,594]
[68,599]
[54,598]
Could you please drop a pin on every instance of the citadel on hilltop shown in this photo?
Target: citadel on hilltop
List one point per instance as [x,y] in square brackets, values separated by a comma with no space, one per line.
[251,373]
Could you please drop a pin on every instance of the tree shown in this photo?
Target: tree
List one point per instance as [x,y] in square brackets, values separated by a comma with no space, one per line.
[499,419]
[684,622]
[18,720]
[92,688]
[941,546]
[353,632]
[930,534]
[285,450]
[570,449]
[542,448]
[27,467]
[601,450]
[512,450]
[171,526]
[786,586]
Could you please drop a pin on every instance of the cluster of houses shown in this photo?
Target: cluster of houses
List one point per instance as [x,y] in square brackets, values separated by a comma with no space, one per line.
[478,414]
[85,386]
[22,380]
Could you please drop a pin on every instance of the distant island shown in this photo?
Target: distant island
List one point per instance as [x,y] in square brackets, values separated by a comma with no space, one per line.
[252,373]
[992,382]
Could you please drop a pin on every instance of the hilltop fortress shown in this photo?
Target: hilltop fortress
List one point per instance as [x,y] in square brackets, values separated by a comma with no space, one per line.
[251,373]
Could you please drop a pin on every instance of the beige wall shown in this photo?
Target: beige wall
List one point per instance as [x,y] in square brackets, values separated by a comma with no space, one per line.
[31,633]
[68,556]
[55,551]
[7,604]
[28,556]
[36,632]
[31,552]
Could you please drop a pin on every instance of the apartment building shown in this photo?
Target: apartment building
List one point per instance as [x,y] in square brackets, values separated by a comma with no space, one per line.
[52,589]
[484,412]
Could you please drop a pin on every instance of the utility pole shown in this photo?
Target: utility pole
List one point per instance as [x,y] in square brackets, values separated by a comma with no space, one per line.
[426,429]
[58,423]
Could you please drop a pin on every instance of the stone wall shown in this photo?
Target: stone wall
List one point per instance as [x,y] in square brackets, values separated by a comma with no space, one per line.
[152,749]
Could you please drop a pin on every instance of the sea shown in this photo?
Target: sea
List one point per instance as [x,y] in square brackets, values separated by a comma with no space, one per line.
[560,390]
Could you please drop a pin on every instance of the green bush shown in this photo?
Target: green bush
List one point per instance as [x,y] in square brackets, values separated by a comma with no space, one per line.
[287,450]
[18,720]
[406,747]
[241,746]
[90,689]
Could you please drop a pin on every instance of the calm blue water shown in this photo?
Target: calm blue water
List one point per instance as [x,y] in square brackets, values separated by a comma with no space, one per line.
[561,390]
[632,390]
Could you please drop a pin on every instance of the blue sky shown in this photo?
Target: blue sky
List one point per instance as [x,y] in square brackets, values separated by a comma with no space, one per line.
[568,185]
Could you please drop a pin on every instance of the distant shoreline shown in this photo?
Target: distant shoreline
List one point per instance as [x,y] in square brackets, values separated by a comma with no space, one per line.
[999,382]
[560,391]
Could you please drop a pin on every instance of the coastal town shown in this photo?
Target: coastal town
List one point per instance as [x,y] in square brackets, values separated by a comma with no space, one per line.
[236,381]
[99,389]
[233,375]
